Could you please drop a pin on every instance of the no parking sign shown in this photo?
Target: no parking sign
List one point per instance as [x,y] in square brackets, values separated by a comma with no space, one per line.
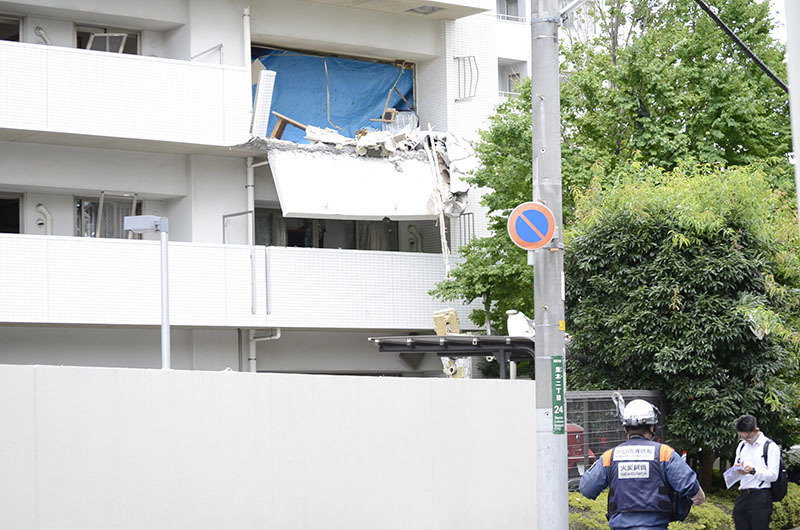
[531,225]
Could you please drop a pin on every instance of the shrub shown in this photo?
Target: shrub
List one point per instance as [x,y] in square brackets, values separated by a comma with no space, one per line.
[786,514]
[714,514]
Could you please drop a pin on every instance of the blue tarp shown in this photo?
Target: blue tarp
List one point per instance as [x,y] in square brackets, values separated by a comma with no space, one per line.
[358,91]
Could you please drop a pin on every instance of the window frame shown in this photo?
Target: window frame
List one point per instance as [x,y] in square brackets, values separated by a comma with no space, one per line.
[20,202]
[89,28]
[12,18]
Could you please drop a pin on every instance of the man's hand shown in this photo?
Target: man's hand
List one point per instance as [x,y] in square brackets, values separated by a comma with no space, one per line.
[746,470]
[699,497]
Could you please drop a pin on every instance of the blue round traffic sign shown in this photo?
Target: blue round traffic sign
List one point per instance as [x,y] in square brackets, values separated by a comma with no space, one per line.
[531,225]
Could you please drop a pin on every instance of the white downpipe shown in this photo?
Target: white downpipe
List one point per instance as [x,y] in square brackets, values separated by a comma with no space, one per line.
[251,199]
[246,36]
[48,219]
[248,59]
[166,355]
[252,339]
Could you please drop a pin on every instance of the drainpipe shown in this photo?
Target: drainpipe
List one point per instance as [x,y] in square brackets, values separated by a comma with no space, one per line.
[249,186]
[48,219]
[246,35]
[247,59]
[252,339]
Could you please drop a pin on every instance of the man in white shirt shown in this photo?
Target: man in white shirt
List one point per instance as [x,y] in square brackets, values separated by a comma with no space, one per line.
[753,508]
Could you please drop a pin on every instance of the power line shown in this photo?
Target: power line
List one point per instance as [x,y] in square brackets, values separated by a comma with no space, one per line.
[743,46]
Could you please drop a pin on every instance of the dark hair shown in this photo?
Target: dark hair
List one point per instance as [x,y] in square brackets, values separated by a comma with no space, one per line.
[746,423]
[639,429]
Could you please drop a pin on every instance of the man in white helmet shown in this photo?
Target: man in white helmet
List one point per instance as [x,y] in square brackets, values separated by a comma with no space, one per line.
[645,478]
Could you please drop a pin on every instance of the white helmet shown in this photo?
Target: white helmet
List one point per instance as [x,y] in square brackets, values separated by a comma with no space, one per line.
[639,412]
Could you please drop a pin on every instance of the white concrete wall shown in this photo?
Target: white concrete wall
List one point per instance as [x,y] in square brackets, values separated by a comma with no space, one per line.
[119,347]
[511,39]
[361,32]
[60,169]
[154,14]
[63,90]
[107,448]
[216,188]
[212,22]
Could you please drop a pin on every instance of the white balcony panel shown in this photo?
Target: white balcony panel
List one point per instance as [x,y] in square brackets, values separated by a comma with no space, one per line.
[316,182]
[513,39]
[23,86]
[67,280]
[332,288]
[78,92]
[116,282]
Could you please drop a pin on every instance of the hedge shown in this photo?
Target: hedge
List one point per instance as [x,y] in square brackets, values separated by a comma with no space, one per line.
[714,514]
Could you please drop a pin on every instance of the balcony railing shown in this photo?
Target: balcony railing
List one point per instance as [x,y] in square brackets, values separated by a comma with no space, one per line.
[510,18]
[50,89]
[505,95]
[72,280]
[116,282]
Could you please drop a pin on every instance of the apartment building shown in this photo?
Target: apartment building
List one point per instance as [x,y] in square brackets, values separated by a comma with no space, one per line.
[111,108]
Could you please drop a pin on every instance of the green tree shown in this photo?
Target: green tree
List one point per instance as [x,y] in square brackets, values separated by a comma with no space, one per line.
[662,83]
[659,83]
[687,282]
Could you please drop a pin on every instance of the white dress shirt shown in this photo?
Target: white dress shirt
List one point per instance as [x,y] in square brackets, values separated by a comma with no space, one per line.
[753,455]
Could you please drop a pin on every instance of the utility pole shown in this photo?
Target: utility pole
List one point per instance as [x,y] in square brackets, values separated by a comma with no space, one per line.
[548,281]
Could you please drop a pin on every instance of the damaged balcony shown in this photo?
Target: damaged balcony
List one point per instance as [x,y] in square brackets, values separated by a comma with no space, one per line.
[345,141]
[69,96]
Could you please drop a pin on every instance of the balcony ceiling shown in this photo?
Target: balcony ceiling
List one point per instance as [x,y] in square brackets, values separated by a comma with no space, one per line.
[445,10]
[125,144]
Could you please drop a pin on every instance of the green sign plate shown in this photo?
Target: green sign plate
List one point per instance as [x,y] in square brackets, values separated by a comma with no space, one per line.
[558,380]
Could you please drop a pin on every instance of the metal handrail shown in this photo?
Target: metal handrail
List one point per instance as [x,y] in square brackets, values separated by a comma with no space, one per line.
[253,300]
[211,49]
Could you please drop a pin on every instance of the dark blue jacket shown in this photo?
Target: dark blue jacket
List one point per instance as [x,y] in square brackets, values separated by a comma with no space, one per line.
[641,474]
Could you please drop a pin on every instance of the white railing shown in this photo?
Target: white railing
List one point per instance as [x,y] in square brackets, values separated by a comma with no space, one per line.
[334,288]
[510,18]
[73,280]
[505,95]
[74,91]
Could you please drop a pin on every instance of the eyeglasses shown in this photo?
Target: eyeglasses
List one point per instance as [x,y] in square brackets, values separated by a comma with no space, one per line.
[749,437]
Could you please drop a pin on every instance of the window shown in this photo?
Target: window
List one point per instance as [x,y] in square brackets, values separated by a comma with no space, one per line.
[513,82]
[107,39]
[9,214]
[9,29]
[508,9]
[272,229]
[114,210]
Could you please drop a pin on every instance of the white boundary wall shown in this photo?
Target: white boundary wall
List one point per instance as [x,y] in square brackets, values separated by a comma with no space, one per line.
[94,449]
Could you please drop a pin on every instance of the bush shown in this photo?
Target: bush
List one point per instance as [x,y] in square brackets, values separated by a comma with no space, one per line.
[786,514]
[714,514]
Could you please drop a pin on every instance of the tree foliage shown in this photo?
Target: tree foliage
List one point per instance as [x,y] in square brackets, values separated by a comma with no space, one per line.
[662,83]
[657,84]
[688,282]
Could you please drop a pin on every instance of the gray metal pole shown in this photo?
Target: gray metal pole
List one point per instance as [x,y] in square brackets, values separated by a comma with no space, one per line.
[165,349]
[548,280]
